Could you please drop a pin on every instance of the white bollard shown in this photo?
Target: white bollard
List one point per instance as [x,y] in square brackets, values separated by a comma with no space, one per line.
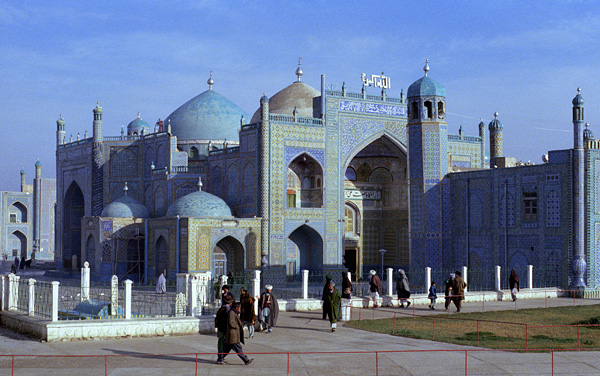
[55,285]
[390,282]
[193,297]
[464,275]
[85,281]
[182,283]
[256,289]
[4,297]
[31,296]
[427,278]
[128,284]
[13,291]
[305,284]
[498,278]
[114,294]
[529,276]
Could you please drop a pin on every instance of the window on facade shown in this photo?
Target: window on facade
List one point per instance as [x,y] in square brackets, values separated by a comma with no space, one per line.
[291,200]
[303,174]
[13,218]
[441,110]
[414,110]
[193,152]
[429,108]
[350,174]
[349,221]
[530,206]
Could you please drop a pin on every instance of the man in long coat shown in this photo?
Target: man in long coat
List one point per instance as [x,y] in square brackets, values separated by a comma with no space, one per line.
[375,287]
[333,299]
[458,290]
[268,308]
[247,315]
[324,295]
[221,325]
[234,336]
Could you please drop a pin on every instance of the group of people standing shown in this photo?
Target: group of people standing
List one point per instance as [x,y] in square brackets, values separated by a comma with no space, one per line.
[233,317]
[402,288]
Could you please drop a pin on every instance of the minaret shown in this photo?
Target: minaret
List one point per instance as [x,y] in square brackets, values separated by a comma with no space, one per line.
[482,136]
[37,207]
[495,128]
[428,165]
[265,178]
[97,163]
[60,130]
[578,262]
[23,181]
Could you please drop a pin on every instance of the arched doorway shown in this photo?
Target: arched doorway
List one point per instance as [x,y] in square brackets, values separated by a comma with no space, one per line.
[304,250]
[376,207]
[162,257]
[228,256]
[304,183]
[18,244]
[74,204]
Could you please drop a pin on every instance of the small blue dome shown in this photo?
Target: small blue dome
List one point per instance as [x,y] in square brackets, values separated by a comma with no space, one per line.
[578,100]
[38,164]
[587,133]
[495,123]
[136,126]
[125,207]
[425,86]
[207,116]
[199,204]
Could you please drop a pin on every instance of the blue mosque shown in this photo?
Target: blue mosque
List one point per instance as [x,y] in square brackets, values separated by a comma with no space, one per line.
[323,180]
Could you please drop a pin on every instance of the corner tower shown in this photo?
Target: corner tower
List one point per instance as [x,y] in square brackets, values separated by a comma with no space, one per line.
[495,128]
[428,164]
[578,263]
[97,163]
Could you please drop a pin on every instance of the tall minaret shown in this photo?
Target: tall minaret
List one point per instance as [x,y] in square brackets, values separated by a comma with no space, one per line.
[264,209]
[37,207]
[97,163]
[578,262]
[428,165]
[60,131]
[495,127]
[482,136]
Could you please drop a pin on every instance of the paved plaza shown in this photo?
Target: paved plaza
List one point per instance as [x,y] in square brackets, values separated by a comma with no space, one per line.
[347,351]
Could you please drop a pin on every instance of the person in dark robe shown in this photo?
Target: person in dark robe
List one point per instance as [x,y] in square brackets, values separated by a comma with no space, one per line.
[268,309]
[235,335]
[448,291]
[513,281]
[221,327]
[22,263]
[247,311]
[375,287]
[458,290]
[226,292]
[324,295]
[402,289]
[333,299]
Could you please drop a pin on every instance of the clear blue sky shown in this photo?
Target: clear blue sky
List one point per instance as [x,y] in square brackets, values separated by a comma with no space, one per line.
[522,59]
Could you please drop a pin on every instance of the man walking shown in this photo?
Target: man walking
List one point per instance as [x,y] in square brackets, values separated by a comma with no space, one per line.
[458,290]
[333,299]
[221,326]
[448,291]
[375,288]
[268,309]
[234,336]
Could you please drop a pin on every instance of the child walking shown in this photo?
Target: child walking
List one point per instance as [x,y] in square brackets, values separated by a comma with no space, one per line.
[432,295]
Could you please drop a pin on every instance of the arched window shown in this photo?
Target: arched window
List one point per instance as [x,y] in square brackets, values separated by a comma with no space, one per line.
[350,174]
[414,110]
[440,109]
[17,213]
[429,107]
[304,172]
[193,152]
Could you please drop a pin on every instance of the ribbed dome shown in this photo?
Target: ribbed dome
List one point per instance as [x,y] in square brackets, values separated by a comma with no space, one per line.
[199,204]
[425,86]
[495,123]
[297,95]
[125,207]
[207,116]
[137,125]
[587,133]
[578,100]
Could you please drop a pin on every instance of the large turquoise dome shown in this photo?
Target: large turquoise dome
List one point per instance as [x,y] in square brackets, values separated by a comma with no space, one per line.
[207,116]
[125,207]
[199,204]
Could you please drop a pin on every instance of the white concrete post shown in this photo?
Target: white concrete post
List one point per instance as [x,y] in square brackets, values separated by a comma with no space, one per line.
[114,294]
[256,289]
[182,284]
[85,281]
[464,275]
[529,276]
[223,282]
[55,285]
[427,278]
[193,297]
[31,297]
[4,297]
[128,284]
[497,281]
[13,291]
[390,281]
[305,284]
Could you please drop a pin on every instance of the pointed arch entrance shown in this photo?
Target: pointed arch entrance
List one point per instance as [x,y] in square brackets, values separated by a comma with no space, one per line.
[17,242]
[376,206]
[304,183]
[304,250]
[228,256]
[74,205]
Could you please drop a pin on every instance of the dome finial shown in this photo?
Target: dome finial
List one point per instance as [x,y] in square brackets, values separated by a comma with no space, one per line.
[299,72]
[210,81]
[200,183]
[578,90]
[426,67]
[125,189]
[139,116]
[496,115]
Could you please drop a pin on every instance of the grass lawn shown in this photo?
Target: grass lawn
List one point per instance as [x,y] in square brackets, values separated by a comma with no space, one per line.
[499,329]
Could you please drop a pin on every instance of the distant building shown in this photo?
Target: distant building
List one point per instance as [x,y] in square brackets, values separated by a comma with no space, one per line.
[323,180]
[27,224]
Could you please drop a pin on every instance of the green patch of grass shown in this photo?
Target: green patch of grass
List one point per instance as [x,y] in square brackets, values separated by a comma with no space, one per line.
[484,336]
